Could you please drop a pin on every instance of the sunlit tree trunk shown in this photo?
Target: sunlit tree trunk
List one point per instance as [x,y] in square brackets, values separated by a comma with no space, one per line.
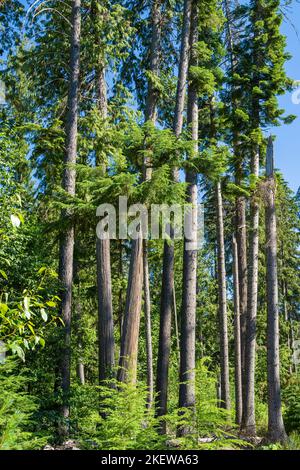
[127,371]
[237,335]
[222,298]
[164,346]
[248,426]
[104,287]
[276,431]
[190,251]
[241,239]
[147,309]
[78,311]
[248,421]
[240,209]
[132,291]
[151,115]
[68,184]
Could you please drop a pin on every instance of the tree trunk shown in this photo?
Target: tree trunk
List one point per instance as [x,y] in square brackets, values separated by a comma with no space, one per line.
[167,287]
[104,287]
[183,68]
[80,370]
[147,308]
[78,310]
[176,323]
[287,317]
[276,431]
[121,291]
[127,371]
[105,311]
[248,420]
[68,184]
[155,50]
[241,240]
[139,267]
[237,336]
[164,342]
[224,355]
[190,251]
[151,115]
[240,229]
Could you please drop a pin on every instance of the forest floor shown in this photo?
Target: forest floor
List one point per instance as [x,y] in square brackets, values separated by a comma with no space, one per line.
[246,444]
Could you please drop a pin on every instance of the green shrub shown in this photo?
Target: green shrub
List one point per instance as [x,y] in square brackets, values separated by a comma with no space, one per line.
[123,422]
[16,409]
[210,423]
[291,397]
[293,442]
[115,417]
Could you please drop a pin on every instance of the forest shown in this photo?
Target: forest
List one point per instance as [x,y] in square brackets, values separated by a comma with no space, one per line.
[149,245]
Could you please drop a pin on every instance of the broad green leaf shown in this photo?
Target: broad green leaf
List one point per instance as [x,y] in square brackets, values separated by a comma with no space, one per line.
[3,274]
[21,218]
[42,270]
[16,349]
[16,222]
[27,314]
[26,302]
[3,308]
[44,314]
[31,329]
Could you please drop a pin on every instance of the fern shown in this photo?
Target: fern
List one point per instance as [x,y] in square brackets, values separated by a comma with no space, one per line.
[16,410]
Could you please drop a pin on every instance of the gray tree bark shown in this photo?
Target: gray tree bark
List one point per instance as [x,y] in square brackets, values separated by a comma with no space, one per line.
[276,430]
[78,311]
[147,308]
[151,115]
[183,67]
[240,210]
[248,421]
[241,239]
[167,287]
[164,342]
[121,292]
[287,317]
[104,287]
[155,51]
[222,298]
[237,336]
[68,184]
[105,311]
[136,270]
[127,371]
[189,282]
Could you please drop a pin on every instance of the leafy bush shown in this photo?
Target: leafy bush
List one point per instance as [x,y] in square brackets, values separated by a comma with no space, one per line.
[123,422]
[291,396]
[115,417]
[16,409]
[211,427]
[293,442]
[261,413]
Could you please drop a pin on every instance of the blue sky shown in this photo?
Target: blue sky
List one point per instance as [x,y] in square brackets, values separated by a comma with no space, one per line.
[287,145]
